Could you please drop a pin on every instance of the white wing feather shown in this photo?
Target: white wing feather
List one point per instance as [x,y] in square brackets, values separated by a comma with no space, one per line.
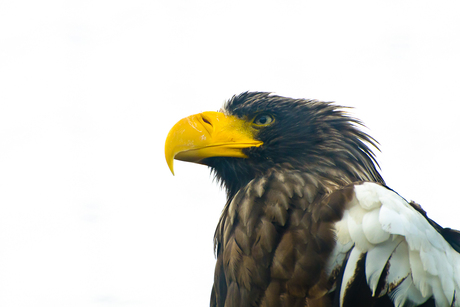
[419,261]
[349,272]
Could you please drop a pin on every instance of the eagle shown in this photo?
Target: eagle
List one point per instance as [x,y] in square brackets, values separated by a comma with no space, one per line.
[309,220]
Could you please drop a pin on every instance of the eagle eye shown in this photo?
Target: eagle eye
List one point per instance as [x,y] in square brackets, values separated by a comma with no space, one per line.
[263,120]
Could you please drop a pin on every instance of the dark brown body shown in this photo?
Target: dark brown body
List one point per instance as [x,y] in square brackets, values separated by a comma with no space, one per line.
[273,241]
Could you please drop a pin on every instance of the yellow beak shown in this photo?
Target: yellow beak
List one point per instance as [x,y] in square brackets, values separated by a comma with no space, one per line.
[208,134]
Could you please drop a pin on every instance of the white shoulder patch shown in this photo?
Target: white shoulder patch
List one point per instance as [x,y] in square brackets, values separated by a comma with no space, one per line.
[400,245]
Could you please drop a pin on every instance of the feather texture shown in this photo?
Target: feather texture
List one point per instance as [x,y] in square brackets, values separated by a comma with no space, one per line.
[363,237]
[406,257]
[285,250]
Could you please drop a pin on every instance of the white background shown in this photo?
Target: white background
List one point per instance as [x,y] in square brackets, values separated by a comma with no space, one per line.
[90,214]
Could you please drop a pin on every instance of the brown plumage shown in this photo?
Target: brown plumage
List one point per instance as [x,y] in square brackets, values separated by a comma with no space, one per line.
[273,240]
[277,241]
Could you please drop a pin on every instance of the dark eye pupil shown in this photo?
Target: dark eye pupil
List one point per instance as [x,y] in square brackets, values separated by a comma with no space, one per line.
[263,120]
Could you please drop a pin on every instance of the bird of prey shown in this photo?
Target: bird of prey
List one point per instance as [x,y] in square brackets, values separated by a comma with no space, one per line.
[309,220]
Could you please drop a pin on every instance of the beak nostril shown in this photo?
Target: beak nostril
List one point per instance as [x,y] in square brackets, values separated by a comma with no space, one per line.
[206,120]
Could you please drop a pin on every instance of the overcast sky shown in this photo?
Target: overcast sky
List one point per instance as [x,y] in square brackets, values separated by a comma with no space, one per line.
[90,214]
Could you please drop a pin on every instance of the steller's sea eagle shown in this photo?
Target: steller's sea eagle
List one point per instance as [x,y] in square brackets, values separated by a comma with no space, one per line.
[309,220]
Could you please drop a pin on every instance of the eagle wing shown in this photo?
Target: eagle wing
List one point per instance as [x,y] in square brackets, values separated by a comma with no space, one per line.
[388,245]
[286,239]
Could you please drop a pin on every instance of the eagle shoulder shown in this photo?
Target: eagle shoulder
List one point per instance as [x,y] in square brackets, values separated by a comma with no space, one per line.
[390,244]
[287,238]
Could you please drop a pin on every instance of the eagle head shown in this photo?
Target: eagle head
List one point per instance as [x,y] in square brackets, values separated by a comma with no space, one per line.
[255,132]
